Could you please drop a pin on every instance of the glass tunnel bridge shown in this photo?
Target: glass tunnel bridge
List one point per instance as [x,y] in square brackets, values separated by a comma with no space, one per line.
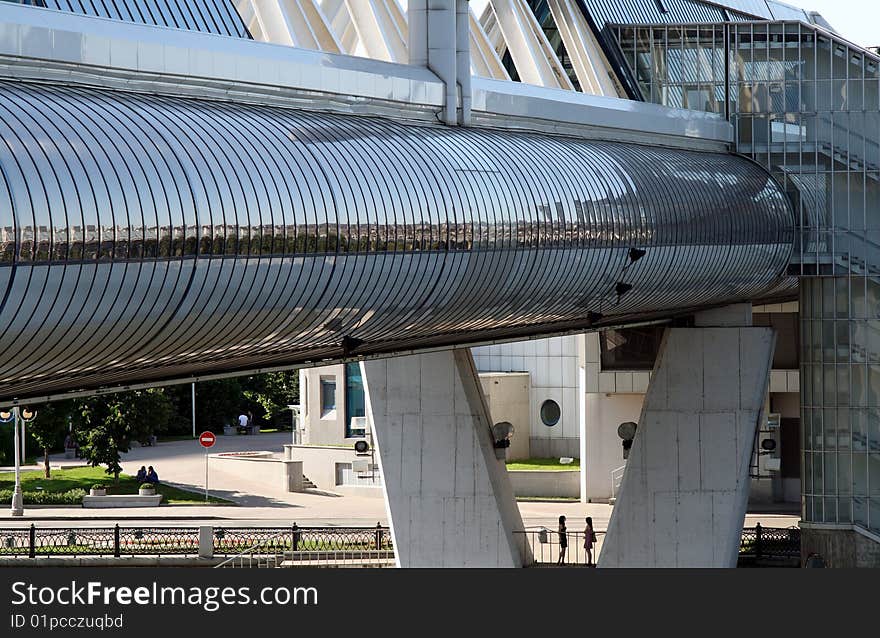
[148,237]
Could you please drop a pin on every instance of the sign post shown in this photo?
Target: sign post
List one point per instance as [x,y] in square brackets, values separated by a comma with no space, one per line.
[207,440]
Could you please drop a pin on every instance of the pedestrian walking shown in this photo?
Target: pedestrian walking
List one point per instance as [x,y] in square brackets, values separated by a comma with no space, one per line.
[563,541]
[589,539]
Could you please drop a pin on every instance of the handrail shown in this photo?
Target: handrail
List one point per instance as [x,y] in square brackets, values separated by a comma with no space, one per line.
[250,550]
[616,479]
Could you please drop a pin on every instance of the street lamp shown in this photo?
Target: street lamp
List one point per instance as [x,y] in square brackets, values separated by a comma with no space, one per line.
[18,416]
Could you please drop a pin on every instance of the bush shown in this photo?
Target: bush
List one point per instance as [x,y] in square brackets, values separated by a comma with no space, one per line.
[70,497]
[148,486]
[98,486]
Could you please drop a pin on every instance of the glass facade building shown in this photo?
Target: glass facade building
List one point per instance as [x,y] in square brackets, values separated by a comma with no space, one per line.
[804,104]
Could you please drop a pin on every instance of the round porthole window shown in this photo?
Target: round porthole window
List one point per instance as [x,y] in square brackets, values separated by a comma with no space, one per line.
[550,413]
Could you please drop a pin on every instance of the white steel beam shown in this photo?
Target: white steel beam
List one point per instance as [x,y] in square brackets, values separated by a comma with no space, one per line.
[484,57]
[381,28]
[534,58]
[590,65]
[493,33]
[297,23]
[340,23]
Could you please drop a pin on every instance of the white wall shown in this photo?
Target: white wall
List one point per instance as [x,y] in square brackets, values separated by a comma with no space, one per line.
[552,365]
[604,412]
[507,395]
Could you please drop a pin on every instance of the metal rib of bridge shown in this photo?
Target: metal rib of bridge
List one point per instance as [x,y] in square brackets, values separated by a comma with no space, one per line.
[148,237]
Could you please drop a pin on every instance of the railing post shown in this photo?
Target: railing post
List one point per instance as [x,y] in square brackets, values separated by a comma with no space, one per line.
[294,542]
[32,542]
[206,541]
[378,536]
[757,540]
[116,549]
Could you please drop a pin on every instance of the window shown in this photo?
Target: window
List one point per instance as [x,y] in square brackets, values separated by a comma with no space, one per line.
[550,413]
[328,396]
[630,348]
[354,399]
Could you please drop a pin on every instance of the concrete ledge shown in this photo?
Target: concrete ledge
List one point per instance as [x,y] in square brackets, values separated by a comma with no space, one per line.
[122,500]
[561,483]
[278,475]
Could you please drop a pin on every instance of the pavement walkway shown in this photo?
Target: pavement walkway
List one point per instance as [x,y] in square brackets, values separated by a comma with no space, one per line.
[182,464]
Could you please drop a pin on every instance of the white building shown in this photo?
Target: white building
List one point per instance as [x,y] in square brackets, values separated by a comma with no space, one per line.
[567,396]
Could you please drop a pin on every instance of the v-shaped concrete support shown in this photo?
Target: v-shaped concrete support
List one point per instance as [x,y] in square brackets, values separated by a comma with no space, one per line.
[685,490]
[450,503]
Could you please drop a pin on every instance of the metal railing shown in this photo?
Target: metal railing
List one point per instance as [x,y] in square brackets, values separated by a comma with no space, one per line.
[322,544]
[98,541]
[616,479]
[759,545]
[770,544]
[316,547]
[546,548]
[263,554]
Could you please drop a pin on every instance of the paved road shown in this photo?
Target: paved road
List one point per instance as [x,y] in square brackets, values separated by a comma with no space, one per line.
[182,463]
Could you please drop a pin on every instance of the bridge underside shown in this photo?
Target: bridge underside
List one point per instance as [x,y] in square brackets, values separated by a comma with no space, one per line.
[151,238]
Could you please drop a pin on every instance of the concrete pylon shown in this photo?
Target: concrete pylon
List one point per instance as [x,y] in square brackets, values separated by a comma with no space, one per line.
[684,494]
[449,499]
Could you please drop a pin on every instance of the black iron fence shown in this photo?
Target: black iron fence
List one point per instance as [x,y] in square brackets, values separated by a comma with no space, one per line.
[545,547]
[760,546]
[118,541]
[766,545]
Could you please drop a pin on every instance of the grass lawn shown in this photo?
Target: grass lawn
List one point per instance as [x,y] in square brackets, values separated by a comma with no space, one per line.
[84,477]
[543,464]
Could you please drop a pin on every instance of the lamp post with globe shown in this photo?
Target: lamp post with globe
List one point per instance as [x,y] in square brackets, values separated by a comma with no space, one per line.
[18,416]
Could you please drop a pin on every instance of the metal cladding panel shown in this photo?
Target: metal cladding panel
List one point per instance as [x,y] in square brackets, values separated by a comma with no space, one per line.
[648,12]
[688,11]
[208,16]
[146,237]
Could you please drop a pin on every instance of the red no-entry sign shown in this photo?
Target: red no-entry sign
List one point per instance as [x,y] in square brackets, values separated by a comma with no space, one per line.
[207,439]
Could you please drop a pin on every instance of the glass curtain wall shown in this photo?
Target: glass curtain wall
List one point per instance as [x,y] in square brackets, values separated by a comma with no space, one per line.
[805,105]
[355,400]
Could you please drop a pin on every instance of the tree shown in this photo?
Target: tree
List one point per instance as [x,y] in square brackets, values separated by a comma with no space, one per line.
[272,392]
[217,403]
[52,420]
[111,423]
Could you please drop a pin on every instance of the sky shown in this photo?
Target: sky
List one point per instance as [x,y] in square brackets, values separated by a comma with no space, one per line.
[856,20]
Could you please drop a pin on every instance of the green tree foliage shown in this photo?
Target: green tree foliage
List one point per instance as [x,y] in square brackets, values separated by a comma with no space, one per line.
[110,424]
[52,421]
[272,393]
[218,402]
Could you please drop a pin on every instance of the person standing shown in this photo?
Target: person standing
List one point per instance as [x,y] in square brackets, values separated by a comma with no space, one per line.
[563,541]
[589,539]
[242,423]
